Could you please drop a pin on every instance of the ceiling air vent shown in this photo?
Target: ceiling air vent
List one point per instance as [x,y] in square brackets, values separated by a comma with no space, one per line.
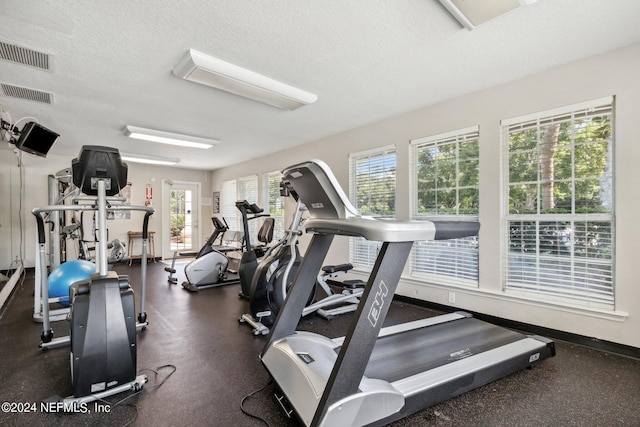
[26,93]
[24,56]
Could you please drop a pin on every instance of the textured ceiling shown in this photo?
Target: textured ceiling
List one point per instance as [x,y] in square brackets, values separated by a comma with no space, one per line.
[365,59]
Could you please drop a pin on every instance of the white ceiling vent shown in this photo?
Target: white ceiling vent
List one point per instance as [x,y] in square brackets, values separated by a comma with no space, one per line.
[24,56]
[26,93]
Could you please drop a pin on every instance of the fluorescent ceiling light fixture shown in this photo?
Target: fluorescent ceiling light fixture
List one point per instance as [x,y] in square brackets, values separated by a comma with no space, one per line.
[472,13]
[207,70]
[150,160]
[169,138]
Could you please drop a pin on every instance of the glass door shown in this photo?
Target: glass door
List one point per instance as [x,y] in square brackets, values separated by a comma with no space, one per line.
[181,226]
[181,219]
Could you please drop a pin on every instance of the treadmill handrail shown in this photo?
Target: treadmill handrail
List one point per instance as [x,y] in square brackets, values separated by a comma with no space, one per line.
[389,230]
[331,212]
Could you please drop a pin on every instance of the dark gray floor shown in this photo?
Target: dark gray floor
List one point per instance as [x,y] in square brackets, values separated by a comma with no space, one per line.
[216,364]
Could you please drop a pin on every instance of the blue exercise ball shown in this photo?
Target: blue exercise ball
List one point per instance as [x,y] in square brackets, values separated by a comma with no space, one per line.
[65,275]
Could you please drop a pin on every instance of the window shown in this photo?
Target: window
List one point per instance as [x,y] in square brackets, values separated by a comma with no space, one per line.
[372,182]
[444,172]
[559,203]
[228,208]
[245,188]
[248,190]
[274,202]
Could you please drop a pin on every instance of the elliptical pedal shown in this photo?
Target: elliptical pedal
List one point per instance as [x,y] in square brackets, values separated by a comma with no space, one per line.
[172,270]
[258,327]
[189,286]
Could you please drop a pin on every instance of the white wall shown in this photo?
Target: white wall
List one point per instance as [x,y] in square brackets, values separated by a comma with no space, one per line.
[614,73]
[9,208]
[37,169]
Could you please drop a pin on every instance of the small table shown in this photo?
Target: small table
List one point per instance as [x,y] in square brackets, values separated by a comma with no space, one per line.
[151,251]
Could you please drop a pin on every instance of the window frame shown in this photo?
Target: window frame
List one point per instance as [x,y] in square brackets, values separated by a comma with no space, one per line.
[450,262]
[247,189]
[363,253]
[566,278]
[271,185]
[228,210]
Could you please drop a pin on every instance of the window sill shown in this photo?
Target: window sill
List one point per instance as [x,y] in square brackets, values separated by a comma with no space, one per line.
[528,300]
[510,296]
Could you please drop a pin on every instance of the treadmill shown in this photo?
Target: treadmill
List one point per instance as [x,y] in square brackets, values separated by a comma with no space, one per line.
[376,375]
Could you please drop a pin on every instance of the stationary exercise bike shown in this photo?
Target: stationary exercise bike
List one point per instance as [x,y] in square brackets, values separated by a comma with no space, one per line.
[102,317]
[211,265]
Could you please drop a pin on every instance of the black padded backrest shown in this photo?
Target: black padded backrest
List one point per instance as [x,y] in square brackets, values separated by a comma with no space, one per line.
[265,235]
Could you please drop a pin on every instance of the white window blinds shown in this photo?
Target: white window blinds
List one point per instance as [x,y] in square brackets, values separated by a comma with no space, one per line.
[274,202]
[559,206]
[445,174]
[228,205]
[248,190]
[372,182]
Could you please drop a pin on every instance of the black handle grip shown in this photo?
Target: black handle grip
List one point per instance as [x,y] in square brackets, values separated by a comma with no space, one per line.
[145,224]
[455,229]
[40,222]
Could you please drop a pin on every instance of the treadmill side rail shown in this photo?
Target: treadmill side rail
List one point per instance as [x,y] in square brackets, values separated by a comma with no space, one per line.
[415,324]
[522,354]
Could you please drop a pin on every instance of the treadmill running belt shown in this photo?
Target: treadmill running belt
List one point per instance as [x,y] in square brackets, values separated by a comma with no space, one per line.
[411,352]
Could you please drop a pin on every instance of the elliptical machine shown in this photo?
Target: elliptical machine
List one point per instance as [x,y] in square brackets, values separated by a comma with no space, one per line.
[210,267]
[103,322]
[251,254]
[275,273]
